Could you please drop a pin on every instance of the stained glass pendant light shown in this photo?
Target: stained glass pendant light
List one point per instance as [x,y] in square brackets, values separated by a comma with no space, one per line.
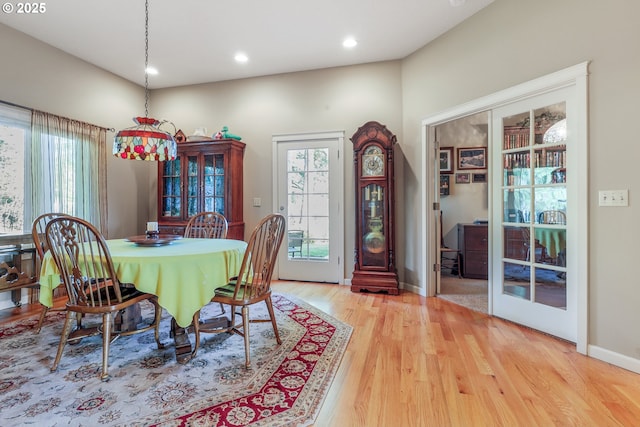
[145,141]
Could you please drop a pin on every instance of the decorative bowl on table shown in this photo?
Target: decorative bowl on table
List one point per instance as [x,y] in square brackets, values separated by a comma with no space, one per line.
[155,240]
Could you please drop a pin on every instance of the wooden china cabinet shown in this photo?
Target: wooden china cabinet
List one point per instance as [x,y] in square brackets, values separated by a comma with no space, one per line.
[205,176]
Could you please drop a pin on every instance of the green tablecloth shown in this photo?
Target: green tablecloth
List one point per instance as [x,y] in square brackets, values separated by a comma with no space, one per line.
[554,240]
[184,274]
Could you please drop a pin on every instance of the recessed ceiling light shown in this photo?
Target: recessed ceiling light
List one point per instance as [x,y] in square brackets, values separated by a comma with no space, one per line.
[349,42]
[151,71]
[241,57]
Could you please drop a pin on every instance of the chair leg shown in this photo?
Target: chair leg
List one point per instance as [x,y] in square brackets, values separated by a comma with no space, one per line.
[273,319]
[106,340]
[222,308]
[196,331]
[156,319]
[245,327]
[43,313]
[66,330]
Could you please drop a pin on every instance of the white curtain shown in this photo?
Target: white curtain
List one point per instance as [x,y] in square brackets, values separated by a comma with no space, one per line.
[68,168]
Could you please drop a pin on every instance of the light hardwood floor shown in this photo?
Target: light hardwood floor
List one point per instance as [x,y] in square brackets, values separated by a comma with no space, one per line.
[416,361]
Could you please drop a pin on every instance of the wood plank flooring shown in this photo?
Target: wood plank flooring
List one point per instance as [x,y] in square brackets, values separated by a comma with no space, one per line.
[416,361]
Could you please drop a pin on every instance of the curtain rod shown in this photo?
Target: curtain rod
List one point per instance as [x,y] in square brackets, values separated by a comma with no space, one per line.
[67,118]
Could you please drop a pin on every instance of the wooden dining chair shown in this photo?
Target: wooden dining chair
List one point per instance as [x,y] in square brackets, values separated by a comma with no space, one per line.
[87,271]
[40,243]
[252,285]
[207,225]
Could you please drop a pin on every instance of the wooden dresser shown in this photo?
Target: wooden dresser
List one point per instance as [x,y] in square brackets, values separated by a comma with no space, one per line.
[473,246]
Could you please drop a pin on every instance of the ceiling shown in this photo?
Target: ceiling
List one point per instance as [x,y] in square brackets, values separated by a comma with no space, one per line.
[194,41]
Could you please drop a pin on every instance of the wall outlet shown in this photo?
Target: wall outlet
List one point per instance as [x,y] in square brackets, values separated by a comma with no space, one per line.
[257,202]
[613,198]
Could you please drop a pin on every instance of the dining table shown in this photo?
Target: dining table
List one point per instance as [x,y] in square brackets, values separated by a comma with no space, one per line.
[553,239]
[182,272]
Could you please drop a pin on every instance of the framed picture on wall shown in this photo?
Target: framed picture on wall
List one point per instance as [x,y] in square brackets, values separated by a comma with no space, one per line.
[463,178]
[472,158]
[446,160]
[479,177]
[445,185]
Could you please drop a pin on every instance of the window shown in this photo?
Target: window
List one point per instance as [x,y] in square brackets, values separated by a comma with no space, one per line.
[49,164]
[15,125]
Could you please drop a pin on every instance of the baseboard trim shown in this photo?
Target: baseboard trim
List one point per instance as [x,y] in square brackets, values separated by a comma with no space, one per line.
[414,289]
[617,359]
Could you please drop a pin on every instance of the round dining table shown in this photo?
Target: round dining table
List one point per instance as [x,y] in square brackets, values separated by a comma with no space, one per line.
[183,273]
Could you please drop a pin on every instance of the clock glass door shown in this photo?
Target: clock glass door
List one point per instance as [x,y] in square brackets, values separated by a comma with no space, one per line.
[373,233]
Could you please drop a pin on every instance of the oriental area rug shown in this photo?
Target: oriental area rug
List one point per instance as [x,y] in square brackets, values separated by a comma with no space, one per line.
[285,386]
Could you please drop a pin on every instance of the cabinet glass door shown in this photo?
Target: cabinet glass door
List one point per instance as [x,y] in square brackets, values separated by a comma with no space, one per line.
[213,191]
[534,205]
[192,186]
[171,188]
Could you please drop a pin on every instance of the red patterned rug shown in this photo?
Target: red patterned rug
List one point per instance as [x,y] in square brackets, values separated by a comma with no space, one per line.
[285,387]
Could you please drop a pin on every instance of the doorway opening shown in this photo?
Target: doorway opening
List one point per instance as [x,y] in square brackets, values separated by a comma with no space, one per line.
[308,178]
[464,210]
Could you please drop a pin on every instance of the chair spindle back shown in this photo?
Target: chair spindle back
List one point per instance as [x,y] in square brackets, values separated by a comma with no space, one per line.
[82,257]
[207,225]
[260,257]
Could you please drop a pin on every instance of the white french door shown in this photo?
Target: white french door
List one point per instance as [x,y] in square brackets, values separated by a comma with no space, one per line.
[309,181]
[535,219]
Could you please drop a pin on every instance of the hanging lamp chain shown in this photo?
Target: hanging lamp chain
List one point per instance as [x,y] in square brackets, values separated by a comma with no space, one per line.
[146,58]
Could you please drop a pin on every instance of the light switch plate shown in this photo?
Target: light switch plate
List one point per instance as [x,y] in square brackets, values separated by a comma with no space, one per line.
[613,198]
[257,201]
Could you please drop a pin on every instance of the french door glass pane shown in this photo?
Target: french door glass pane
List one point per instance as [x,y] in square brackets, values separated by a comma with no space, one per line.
[534,161]
[517,280]
[551,287]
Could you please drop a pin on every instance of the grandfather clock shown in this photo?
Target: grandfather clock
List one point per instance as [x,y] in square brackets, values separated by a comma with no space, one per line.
[375,266]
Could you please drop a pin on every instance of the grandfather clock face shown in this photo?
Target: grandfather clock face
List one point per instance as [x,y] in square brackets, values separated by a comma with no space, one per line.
[373,161]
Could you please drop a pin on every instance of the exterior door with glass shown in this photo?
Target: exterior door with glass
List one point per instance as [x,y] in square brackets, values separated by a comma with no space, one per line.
[533,284]
[309,182]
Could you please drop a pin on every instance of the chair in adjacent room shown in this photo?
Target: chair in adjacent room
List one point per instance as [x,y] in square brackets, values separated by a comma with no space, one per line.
[539,251]
[87,271]
[449,258]
[552,217]
[40,243]
[252,285]
[207,225]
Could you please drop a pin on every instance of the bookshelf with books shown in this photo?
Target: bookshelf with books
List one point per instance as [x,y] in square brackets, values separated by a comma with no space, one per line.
[519,156]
